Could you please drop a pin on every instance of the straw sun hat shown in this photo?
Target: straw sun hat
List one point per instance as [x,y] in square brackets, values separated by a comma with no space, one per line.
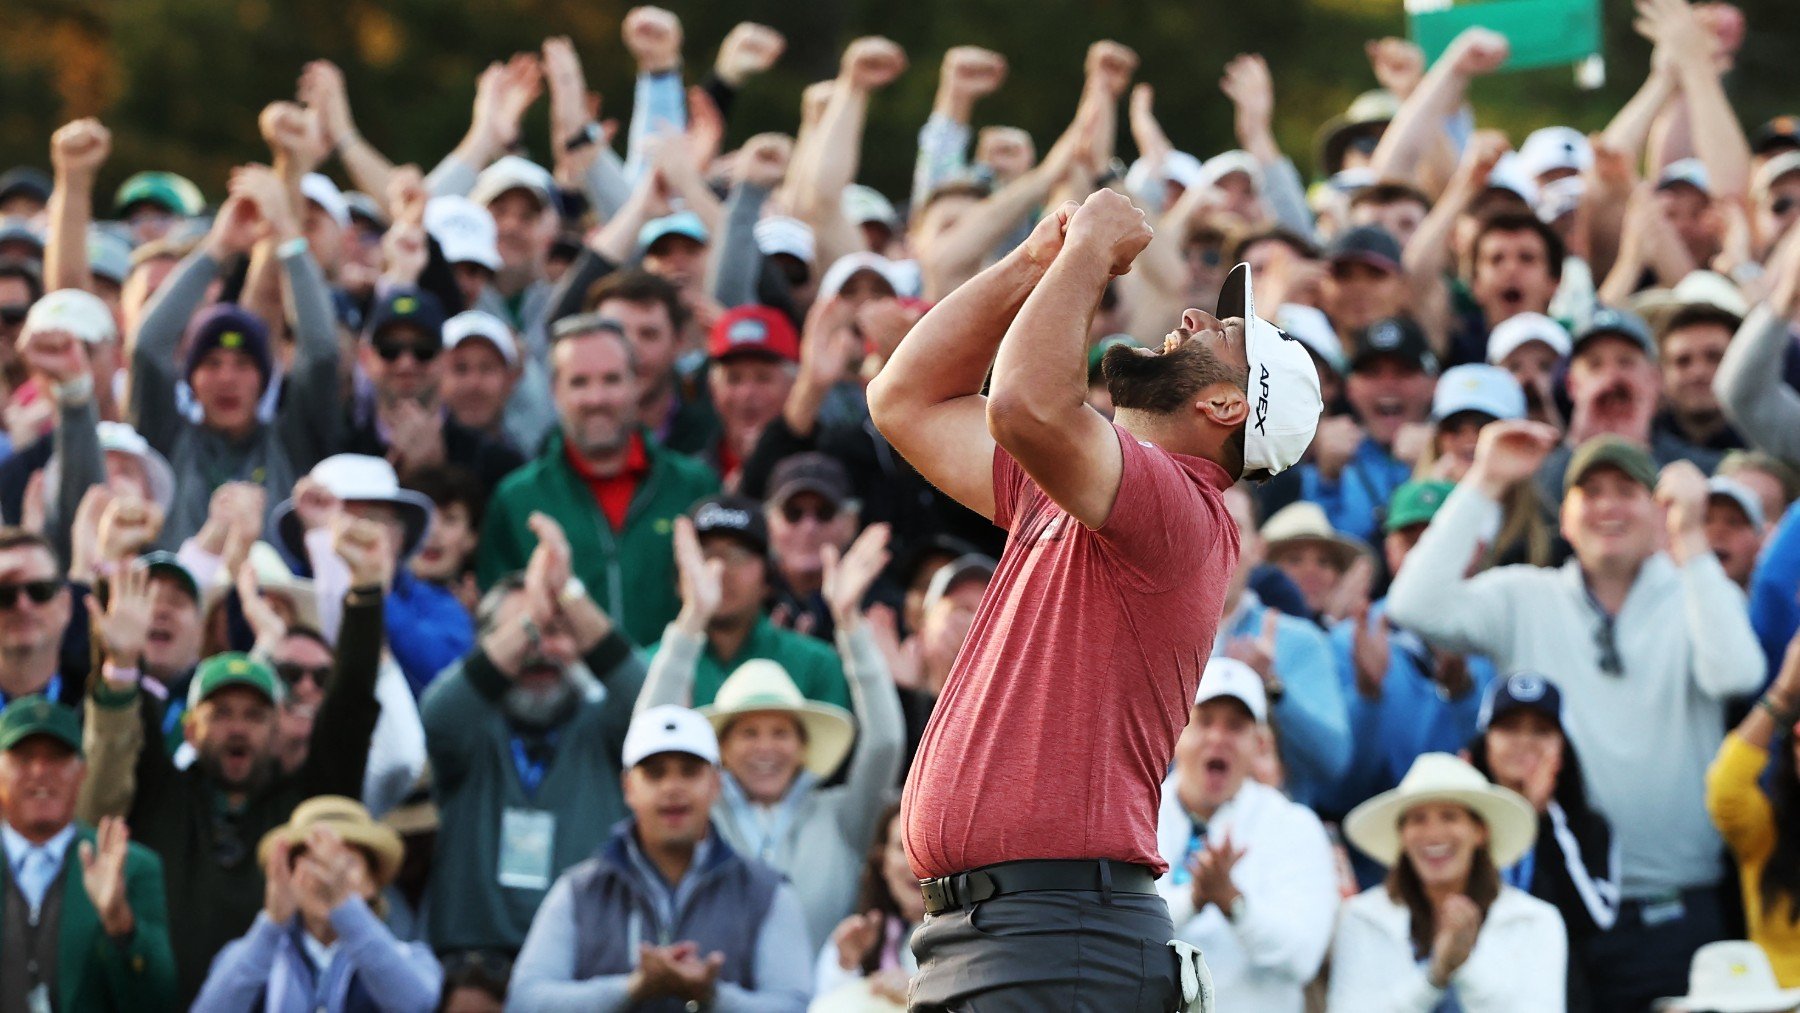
[760,686]
[1374,826]
[351,822]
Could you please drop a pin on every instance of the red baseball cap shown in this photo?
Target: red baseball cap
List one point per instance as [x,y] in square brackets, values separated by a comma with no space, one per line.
[754,330]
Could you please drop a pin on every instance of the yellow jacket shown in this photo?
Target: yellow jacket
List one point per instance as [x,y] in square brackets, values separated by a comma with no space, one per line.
[1741,812]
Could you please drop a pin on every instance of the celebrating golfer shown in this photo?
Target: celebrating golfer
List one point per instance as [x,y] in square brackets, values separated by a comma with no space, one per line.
[1030,814]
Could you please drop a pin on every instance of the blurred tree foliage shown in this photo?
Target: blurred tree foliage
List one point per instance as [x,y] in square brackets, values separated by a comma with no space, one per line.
[180,81]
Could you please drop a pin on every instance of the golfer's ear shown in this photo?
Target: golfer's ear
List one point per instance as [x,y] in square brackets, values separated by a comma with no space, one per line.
[1224,405]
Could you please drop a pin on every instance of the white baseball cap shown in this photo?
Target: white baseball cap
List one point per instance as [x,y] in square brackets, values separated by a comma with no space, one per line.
[514,173]
[1177,167]
[464,230]
[1477,387]
[74,310]
[318,188]
[1521,329]
[1559,197]
[1311,327]
[1225,163]
[850,264]
[864,204]
[670,728]
[1231,677]
[1554,148]
[1691,171]
[782,234]
[1739,494]
[1510,173]
[1285,403]
[484,326]
[1772,171]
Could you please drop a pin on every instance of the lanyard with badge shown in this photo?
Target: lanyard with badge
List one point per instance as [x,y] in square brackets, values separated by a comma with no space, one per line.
[528,836]
[52,690]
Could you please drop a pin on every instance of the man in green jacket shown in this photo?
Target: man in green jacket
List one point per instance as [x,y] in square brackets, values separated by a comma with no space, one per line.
[205,820]
[606,481]
[83,925]
[718,634]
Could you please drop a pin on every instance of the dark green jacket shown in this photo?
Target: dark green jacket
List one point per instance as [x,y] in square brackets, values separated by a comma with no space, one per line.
[813,664]
[215,882]
[94,974]
[475,780]
[629,573]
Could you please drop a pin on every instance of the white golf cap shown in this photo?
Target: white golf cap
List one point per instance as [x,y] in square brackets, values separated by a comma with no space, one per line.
[318,188]
[791,236]
[514,173]
[1521,329]
[77,311]
[1177,167]
[1311,327]
[464,230]
[1510,173]
[1225,163]
[851,264]
[1773,170]
[1691,171]
[670,728]
[1738,493]
[476,324]
[1232,678]
[1477,387]
[120,437]
[1285,403]
[864,204]
[1556,148]
[1559,197]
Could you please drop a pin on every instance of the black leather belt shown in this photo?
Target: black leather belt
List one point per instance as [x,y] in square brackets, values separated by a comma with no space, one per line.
[990,881]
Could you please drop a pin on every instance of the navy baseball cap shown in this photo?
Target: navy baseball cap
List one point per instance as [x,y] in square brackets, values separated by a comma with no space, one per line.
[413,306]
[1520,690]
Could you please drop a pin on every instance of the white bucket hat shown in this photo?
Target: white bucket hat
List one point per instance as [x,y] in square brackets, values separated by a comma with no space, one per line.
[759,686]
[1374,826]
[120,437]
[1733,976]
[358,478]
[1285,403]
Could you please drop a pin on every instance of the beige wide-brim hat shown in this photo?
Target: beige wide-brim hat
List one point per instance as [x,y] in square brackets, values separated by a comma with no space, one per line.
[350,821]
[1733,976]
[761,686]
[274,577]
[1374,826]
[1303,522]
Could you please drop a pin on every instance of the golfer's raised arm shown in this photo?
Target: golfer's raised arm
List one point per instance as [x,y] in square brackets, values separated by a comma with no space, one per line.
[927,399]
[1037,405]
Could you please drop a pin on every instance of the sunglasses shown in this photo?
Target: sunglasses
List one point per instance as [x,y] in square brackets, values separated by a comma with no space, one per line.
[39,591]
[1610,662]
[292,672]
[1780,206]
[15,313]
[391,351]
[794,513]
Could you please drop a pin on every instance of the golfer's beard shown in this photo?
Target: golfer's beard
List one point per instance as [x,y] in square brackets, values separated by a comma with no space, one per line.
[539,708]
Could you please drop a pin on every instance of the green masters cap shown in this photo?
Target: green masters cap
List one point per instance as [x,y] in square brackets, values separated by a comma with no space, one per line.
[1611,451]
[233,668]
[39,715]
[172,193]
[163,563]
[1416,502]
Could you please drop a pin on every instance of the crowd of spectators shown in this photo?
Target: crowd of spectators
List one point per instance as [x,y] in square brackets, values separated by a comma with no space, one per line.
[484,587]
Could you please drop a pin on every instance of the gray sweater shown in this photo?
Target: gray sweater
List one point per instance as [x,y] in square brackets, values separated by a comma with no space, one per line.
[1751,387]
[275,454]
[1645,737]
[821,835]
